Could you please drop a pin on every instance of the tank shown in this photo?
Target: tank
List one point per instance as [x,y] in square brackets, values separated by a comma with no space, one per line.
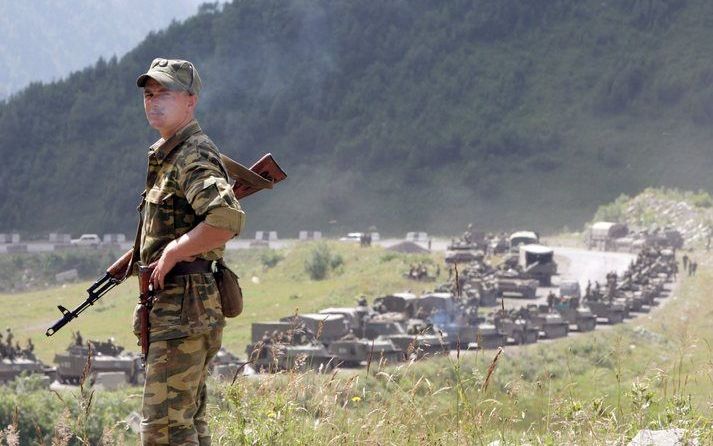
[106,357]
[463,252]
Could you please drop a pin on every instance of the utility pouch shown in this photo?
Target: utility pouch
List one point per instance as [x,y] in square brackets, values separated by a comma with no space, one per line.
[231,296]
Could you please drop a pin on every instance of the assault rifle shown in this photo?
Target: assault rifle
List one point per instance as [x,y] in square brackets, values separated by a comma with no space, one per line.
[261,175]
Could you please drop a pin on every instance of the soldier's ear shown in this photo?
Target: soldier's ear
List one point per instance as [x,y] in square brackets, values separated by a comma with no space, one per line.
[192,101]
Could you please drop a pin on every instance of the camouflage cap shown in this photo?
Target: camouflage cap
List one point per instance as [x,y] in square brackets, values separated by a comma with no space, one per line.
[174,74]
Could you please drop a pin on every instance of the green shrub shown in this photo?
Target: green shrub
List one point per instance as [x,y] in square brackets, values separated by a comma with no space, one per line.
[321,261]
[271,258]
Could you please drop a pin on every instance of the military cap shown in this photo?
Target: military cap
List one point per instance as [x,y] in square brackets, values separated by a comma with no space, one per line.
[174,74]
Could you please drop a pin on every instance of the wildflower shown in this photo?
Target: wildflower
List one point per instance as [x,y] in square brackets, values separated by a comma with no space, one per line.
[356,399]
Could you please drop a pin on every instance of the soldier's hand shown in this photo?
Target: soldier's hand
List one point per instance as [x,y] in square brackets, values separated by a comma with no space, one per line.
[165,264]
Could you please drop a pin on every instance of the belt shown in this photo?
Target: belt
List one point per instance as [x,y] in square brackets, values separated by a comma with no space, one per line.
[198,266]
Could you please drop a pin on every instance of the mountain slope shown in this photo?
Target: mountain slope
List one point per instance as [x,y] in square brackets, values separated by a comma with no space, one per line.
[45,40]
[404,115]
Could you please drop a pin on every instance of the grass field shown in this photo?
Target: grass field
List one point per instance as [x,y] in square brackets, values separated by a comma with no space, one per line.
[655,371]
[270,293]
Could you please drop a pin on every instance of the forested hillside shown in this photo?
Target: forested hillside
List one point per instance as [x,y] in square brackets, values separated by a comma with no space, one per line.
[404,115]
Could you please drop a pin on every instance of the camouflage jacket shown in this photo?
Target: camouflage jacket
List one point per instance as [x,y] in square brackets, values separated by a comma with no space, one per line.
[186,184]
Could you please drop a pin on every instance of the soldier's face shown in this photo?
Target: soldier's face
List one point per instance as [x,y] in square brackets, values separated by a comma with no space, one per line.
[167,110]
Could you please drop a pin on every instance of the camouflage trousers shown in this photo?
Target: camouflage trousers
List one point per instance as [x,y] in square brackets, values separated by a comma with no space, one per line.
[174,402]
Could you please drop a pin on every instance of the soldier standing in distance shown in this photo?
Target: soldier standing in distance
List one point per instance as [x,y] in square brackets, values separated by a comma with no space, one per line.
[188,213]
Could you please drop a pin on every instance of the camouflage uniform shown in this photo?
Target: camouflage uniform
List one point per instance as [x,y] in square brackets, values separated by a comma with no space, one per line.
[186,185]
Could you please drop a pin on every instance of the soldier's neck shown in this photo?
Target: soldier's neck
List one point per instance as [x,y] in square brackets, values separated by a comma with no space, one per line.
[168,133]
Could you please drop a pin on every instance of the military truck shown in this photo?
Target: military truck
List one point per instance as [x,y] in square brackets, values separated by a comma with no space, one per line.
[106,357]
[537,261]
[519,238]
[604,235]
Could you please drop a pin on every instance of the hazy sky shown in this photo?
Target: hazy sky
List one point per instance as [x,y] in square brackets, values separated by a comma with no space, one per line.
[45,40]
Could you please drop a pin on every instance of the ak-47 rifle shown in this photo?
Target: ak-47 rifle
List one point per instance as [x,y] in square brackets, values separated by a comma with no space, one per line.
[261,175]
[146,299]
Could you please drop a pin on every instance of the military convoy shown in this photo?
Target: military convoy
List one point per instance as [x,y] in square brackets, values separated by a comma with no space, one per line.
[401,326]
[404,326]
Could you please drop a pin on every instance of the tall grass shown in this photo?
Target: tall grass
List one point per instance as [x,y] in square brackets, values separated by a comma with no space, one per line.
[653,372]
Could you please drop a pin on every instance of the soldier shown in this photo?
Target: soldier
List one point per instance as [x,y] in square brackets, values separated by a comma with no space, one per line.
[468,235]
[8,337]
[551,301]
[78,339]
[188,213]
[685,261]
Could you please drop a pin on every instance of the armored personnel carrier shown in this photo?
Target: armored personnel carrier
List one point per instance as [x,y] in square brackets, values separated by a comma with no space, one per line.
[575,315]
[516,330]
[225,365]
[447,317]
[12,368]
[612,312]
[293,350]
[326,327]
[352,352]
[106,357]
[396,303]
[551,324]
[489,337]
[512,284]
